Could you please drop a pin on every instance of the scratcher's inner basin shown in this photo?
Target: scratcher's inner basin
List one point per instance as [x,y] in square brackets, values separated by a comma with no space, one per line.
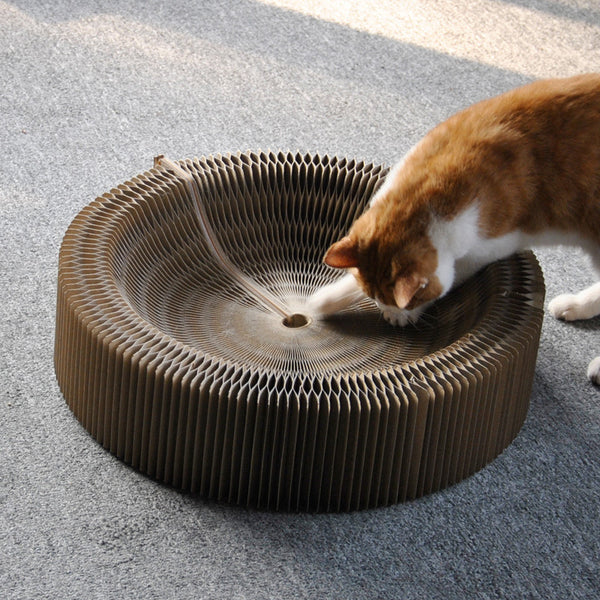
[275,228]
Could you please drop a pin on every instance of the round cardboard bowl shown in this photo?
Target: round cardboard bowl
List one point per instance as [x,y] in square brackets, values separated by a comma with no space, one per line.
[175,368]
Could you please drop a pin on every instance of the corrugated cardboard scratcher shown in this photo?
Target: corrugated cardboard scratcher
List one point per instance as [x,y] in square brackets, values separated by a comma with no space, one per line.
[183,348]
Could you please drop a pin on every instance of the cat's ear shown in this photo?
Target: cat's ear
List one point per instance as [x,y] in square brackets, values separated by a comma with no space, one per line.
[342,254]
[405,289]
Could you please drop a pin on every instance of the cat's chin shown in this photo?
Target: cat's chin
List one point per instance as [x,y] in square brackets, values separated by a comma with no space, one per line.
[400,316]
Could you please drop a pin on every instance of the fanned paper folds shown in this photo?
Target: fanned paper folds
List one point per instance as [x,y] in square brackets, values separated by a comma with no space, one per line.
[179,371]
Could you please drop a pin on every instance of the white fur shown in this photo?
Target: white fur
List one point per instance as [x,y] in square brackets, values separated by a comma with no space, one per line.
[593,371]
[572,307]
[336,296]
[401,316]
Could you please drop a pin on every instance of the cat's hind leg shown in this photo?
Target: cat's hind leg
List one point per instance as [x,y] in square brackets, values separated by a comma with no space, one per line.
[584,305]
[593,371]
[573,307]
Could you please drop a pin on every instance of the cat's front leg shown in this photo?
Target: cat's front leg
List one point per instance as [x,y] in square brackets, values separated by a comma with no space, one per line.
[336,296]
[573,307]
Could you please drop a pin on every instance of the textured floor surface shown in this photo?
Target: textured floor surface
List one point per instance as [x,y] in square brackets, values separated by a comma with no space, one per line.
[91,92]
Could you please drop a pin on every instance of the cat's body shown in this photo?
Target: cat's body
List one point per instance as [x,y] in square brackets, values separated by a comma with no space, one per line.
[512,172]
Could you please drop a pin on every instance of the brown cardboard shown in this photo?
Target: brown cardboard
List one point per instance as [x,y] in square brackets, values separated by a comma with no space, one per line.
[171,363]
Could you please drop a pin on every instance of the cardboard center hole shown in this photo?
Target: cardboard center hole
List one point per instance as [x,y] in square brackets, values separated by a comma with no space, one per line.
[296,320]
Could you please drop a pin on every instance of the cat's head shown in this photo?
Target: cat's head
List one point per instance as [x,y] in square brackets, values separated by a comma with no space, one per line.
[397,268]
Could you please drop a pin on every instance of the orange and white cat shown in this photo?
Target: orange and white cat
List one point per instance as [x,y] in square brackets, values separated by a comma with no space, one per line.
[511,172]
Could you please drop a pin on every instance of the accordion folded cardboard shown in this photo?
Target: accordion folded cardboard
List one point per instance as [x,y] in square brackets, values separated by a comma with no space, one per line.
[182,372]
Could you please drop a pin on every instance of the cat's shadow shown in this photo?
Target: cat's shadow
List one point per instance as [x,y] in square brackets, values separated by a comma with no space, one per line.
[360,323]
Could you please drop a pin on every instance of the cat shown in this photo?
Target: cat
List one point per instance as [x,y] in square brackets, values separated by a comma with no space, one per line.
[511,172]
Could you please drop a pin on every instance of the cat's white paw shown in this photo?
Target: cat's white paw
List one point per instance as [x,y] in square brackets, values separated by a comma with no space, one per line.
[394,317]
[398,316]
[593,371]
[569,307]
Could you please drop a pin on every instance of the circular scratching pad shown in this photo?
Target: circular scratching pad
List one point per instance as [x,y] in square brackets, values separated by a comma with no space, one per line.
[178,369]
